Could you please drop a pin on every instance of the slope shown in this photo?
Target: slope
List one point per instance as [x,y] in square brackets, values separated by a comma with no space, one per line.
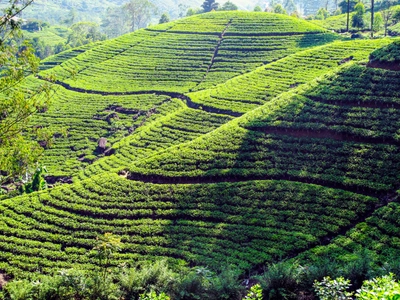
[270,184]
[235,97]
[122,65]
[115,88]
[321,135]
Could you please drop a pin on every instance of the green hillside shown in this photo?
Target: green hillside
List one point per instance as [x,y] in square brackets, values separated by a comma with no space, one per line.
[146,63]
[232,138]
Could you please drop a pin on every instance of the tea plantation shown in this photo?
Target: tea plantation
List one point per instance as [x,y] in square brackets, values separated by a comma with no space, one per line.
[232,138]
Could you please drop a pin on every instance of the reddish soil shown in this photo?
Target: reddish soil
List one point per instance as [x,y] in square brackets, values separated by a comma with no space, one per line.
[392,66]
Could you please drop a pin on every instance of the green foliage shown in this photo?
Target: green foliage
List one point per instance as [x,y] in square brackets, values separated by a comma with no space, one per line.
[389,53]
[65,285]
[257,8]
[17,151]
[228,5]
[360,268]
[38,182]
[255,293]
[378,22]
[358,18]
[164,19]
[281,280]
[193,11]
[209,5]
[201,283]
[138,13]
[150,278]
[380,288]
[153,296]
[107,245]
[278,9]
[150,281]
[333,289]
[343,5]
[84,33]
[322,14]
[201,212]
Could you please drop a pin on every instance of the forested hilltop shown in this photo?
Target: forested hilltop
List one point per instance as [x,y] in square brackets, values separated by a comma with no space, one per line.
[56,26]
[54,11]
[224,155]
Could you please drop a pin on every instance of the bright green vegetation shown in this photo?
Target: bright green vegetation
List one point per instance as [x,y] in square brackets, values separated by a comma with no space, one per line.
[357,138]
[390,53]
[246,92]
[59,58]
[181,126]
[378,235]
[51,36]
[206,56]
[232,138]
[239,223]
[337,23]
[153,137]
[82,119]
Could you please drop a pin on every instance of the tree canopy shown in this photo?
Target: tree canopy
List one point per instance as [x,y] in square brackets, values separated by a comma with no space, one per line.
[278,9]
[229,6]
[209,5]
[139,13]
[18,152]
[164,19]
[358,17]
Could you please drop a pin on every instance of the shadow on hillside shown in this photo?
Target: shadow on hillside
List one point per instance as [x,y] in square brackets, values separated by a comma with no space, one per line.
[321,182]
[313,40]
[352,161]
[323,177]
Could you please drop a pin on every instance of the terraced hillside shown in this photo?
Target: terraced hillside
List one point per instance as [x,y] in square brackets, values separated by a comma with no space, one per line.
[235,153]
[164,61]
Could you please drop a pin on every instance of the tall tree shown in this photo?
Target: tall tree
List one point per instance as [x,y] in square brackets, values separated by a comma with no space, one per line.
[115,22]
[348,16]
[387,13]
[229,6]
[164,18]
[278,9]
[18,153]
[372,17]
[139,13]
[84,33]
[358,17]
[289,6]
[378,22]
[209,5]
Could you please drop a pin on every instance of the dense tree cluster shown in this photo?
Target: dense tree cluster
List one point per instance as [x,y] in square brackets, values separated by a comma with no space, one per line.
[18,151]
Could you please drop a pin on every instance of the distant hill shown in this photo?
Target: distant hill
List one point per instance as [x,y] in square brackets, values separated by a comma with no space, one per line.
[55,11]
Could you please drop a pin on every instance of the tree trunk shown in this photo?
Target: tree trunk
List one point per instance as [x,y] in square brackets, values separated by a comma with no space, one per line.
[372,18]
[348,15]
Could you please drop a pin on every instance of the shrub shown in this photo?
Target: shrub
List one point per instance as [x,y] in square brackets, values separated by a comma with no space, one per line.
[360,269]
[380,288]
[153,296]
[333,289]
[255,293]
[157,277]
[66,285]
[316,272]
[226,285]
[281,280]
